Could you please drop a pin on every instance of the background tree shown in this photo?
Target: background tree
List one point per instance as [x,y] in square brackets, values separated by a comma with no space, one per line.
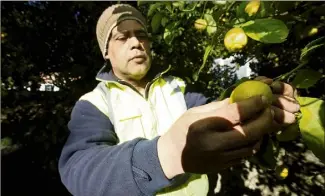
[59,37]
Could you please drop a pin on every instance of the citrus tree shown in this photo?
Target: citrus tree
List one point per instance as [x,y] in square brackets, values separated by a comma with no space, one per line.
[286,38]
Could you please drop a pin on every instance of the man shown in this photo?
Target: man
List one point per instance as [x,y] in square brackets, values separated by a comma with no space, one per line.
[141,132]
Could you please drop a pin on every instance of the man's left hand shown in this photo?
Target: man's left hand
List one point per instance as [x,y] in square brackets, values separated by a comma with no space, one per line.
[284,103]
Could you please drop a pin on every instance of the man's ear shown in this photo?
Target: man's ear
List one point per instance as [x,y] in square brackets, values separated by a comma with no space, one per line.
[106,57]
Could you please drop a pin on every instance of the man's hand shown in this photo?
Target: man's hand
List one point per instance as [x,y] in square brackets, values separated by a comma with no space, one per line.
[215,136]
[284,104]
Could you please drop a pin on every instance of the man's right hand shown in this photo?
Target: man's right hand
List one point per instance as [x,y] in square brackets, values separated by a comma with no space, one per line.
[215,136]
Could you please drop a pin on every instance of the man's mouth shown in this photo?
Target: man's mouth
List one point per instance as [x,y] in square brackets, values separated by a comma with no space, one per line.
[138,56]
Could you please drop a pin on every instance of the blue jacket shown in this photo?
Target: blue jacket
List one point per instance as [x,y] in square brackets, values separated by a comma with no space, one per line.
[94,163]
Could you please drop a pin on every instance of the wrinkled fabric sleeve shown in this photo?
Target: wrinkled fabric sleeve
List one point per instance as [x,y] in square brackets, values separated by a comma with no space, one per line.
[193,98]
[92,163]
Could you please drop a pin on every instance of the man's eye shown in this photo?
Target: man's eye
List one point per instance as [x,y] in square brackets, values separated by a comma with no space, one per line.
[121,38]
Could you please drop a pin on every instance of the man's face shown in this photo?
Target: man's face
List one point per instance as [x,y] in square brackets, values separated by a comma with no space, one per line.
[129,50]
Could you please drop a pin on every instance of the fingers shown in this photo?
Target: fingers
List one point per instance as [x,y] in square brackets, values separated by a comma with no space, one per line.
[283,89]
[278,87]
[256,128]
[243,152]
[217,160]
[248,133]
[283,117]
[264,79]
[243,110]
[286,103]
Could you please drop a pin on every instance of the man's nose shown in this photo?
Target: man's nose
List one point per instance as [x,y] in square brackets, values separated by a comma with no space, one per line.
[134,42]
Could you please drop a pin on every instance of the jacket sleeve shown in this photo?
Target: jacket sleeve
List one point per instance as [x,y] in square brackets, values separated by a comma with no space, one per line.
[92,163]
[193,98]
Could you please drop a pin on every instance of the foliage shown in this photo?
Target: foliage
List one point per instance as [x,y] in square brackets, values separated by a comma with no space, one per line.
[270,26]
[285,39]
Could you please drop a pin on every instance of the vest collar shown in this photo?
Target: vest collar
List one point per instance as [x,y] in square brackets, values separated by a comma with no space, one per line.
[106,74]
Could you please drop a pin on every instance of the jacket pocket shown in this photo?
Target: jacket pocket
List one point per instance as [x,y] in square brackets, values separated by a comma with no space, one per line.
[128,125]
[126,118]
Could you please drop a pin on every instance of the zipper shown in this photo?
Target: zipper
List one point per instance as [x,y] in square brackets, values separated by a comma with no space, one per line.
[146,89]
[129,85]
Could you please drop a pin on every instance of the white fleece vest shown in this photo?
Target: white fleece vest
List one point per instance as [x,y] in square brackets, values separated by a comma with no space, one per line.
[133,116]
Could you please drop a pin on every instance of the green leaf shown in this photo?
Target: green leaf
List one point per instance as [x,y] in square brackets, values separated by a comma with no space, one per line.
[240,10]
[220,2]
[170,33]
[6,142]
[155,22]
[306,78]
[265,9]
[312,125]
[164,21]
[289,133]
[179,5]
[139,2]
[311,47]
[266,30]
[169,6]
[153,8]
[205,57]
[212,25]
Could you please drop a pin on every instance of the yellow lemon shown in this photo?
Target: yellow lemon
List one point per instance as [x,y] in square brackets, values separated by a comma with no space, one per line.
[235,39]
[252,7]
[200,24]
[282,172]
[249,89]
[313,31]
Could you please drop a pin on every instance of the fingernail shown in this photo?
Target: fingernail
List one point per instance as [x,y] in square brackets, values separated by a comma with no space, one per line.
[264,100]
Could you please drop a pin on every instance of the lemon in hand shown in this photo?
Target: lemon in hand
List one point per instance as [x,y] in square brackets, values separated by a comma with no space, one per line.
[249,89]
[265,157]
[235,39]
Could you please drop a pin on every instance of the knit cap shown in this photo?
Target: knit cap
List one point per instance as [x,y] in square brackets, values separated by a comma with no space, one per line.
[110,18]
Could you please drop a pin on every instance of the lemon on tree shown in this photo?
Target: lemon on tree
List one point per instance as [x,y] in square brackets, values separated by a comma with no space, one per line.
[312,31]
[235,39]
[282,172]
[200,24]
[252,7]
